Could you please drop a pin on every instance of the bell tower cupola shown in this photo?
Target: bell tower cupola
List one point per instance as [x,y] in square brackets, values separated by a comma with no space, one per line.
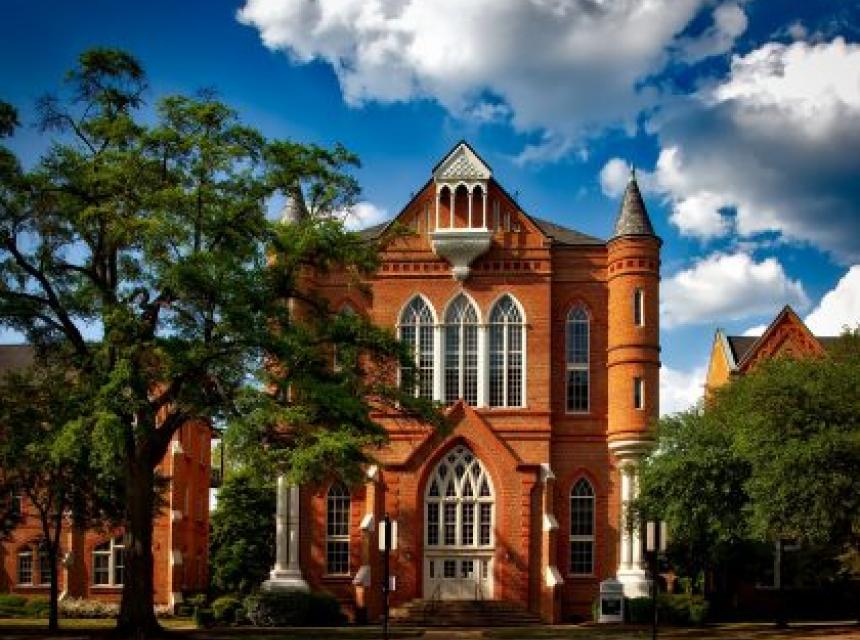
[461,234]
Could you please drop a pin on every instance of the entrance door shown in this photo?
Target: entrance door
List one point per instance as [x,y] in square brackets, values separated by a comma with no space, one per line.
[459,510]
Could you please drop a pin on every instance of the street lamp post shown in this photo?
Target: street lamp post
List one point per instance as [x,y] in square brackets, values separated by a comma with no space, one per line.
[656,537]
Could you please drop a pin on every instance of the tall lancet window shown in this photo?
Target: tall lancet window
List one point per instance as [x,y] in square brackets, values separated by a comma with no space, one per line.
[506,354]
[416,331]
[337,530]
[461,352]
[577,339]
[582,528]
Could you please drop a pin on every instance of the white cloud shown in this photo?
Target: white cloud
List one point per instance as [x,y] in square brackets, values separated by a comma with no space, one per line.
[680,390]
[838,308]
[770,148]
[364,214]
[724,287]
[729,22]
[614,177]
[564,68]
[756,331]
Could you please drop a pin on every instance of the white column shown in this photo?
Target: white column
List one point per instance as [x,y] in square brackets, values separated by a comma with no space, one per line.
[483,374]
[471,193]
[452,193]
[287,572]
[631,569]
[437,207]
[484,193]
[623,529]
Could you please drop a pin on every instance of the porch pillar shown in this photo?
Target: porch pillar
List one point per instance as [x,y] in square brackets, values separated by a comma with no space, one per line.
[287,573]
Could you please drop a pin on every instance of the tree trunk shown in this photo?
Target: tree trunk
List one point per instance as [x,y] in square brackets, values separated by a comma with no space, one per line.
[781,611]
[136,614]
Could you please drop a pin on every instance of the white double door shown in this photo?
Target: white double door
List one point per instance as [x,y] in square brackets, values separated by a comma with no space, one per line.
[458,577]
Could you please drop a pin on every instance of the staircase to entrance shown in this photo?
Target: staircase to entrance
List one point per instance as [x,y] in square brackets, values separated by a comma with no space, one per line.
[463,613]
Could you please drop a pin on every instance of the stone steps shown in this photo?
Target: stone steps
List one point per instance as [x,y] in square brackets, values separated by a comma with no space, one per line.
[463,613]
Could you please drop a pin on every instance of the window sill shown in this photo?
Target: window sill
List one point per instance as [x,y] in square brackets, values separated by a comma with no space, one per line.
[582,576]
[106,587]
[337,577]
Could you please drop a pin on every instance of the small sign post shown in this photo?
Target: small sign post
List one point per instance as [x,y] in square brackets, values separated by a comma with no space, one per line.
[387,542]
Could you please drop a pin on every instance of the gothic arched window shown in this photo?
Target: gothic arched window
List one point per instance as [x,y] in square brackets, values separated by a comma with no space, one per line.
[582,528]
[576,354]
[461,352]
[337,530]
[506,354]
[416,331]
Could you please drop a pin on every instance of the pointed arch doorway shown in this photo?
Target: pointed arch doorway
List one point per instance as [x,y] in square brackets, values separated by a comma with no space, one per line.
[459,523]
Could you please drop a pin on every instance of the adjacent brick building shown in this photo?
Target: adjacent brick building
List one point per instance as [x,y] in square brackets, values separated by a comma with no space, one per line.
[544,344]
[92,560]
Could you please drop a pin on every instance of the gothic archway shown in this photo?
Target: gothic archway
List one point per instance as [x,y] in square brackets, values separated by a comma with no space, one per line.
[459,522]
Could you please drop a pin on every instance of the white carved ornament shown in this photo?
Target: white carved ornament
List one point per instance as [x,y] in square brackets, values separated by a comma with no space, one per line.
[462,164]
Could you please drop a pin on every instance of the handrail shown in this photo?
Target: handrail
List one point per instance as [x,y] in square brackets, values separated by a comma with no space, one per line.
[435,598]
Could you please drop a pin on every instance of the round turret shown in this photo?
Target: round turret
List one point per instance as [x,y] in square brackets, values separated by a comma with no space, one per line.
[633,274]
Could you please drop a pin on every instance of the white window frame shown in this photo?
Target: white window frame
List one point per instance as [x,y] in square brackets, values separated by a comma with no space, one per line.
[44,576]
[507,326]
[415,344]
[115,548]
[577,366]
[461,323]
[476,474]
[582,538]
[639,307]
[24,563]
[338,494]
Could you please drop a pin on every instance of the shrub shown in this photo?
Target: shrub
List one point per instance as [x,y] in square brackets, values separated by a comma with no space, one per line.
[12,606]
[203,617]
[293,608]
[679,609]
[80,608]
[38,607]
[226,609]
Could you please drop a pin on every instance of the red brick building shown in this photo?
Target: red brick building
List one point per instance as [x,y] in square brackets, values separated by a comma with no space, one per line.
[92,560]
[544,344]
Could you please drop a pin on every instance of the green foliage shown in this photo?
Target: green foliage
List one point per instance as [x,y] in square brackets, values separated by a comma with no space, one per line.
[203,617]
[675,609]
[293,608]
[15,606]
[242,539]
[157,232]
[773,455]
[227,609]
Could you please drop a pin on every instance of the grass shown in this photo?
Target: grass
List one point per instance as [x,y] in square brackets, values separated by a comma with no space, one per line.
[182,628]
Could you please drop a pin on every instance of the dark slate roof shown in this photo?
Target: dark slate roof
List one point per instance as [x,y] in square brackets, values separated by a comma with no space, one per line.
[740,345]
[14,357]
[564,235]
[372,233]
[633,217]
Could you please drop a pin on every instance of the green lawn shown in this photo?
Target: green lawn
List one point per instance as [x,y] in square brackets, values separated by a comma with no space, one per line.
[182,628]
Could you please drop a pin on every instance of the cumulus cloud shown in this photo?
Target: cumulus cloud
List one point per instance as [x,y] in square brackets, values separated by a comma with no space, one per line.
[728,23]
[838,308]
[364,214]
[563,68]
[724,287]
[770,148]
[680,390]
[755,331]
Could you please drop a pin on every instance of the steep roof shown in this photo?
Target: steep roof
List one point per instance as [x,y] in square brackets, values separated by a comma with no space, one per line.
[633,217]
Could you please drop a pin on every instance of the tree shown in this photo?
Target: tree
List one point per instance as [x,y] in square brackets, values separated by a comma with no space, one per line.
[157,235]
[773,456]
[44,454]
[696,483]
[242,539]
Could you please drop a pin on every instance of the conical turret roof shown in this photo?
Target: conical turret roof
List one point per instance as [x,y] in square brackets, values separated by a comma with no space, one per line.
[294,207]
[633,217]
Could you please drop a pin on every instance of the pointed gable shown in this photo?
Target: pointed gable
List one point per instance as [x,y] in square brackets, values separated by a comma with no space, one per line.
[462,164]
[787,335]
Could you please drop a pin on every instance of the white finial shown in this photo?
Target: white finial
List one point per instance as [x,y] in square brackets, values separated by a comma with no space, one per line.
[632,173]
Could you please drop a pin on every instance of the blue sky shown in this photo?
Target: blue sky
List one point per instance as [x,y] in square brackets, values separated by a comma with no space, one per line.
[742,116]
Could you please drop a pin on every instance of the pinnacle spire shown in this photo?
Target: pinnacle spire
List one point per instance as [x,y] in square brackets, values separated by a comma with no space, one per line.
[294,207]
[633,217]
